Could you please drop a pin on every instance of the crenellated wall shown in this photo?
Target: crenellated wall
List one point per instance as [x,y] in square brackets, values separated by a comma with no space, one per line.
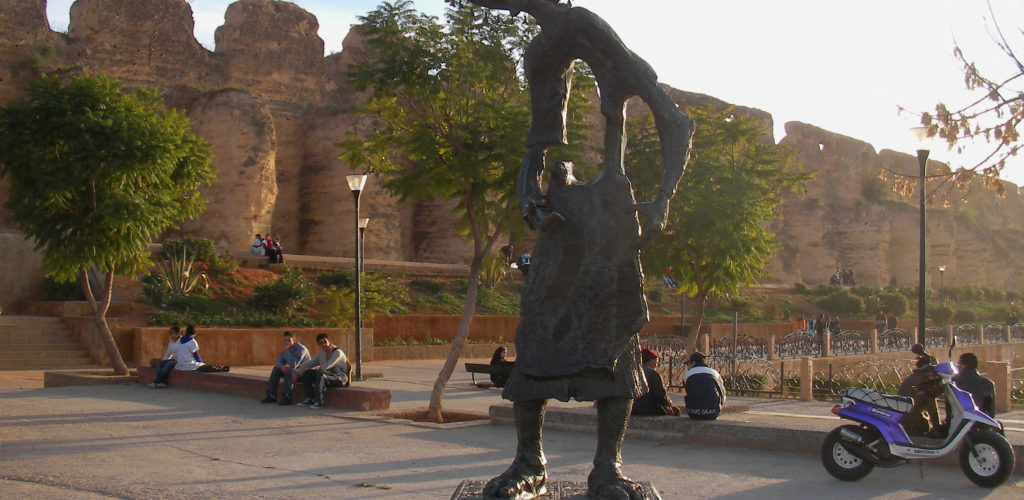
[273,107]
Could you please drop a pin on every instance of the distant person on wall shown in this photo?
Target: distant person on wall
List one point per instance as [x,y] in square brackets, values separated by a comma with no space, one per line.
[656,402]
[667,278]
[257,246]
[167,362]
[801,324]
[500,376]
[705,390]
[291,356]
[820,325]
[891,321]
[834,327]
[982,390]
[329,368]
[276,254]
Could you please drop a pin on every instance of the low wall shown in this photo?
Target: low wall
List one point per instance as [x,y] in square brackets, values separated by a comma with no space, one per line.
[73,308]
[404,352]
[442,326]
[246,346]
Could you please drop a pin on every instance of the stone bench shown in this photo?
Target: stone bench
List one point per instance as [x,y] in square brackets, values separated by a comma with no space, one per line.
[251,386]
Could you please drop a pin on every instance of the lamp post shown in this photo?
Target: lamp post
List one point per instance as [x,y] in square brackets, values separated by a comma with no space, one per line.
[922,160]
[356,182]
[942,271]
[363,222]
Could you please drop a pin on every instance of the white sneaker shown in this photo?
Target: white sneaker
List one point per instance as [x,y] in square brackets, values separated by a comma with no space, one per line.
[316,406]
[152,385]
[305,402]
[161,386]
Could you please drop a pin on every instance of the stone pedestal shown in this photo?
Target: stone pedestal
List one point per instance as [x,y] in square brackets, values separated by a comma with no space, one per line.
[557,490]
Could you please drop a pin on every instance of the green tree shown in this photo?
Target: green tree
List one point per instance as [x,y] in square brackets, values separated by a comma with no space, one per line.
[96,173]
[448,113]
[717,235]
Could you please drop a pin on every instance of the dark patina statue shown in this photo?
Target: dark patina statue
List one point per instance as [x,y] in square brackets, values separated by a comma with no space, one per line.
[583,304]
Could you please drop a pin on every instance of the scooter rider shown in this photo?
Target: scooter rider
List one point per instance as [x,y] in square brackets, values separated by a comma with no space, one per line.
[922,385]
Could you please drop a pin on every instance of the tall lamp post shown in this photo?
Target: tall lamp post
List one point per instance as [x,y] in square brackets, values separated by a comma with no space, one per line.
[356,182]
[942,271]
[922,160]
[363,222]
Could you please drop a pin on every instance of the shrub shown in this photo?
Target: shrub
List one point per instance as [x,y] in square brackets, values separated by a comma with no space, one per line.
[286,295]
[965,316]
[801,288]
[155,288]
[223,265]
[940,313]
[63,292]
[202,248]
[841,302]
[340,279]
[427,286]
[493,271]
[893,303]
[203,306]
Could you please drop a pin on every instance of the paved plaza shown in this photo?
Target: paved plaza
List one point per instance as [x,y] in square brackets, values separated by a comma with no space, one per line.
[129,441]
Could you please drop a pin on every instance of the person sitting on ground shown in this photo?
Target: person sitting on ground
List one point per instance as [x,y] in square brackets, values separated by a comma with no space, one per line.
[656,402]
[500,376]
[981,388]
[705,389]
[275,254]
[923,386]
[257,246]
[166,364]
[880,322]
[291,356]
[329,368]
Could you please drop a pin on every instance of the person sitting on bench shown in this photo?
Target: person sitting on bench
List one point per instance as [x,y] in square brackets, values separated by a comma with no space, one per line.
[166,364]
[656,401]
[329,368]
[499,372]
[291,356]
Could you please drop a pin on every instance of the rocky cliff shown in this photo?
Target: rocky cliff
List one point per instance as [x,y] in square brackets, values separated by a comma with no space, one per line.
[273,106]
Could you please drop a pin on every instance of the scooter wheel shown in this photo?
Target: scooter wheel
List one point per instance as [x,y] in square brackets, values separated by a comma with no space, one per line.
[992,461]
[838,460]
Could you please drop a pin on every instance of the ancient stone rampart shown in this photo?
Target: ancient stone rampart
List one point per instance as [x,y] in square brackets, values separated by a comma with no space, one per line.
[273,107]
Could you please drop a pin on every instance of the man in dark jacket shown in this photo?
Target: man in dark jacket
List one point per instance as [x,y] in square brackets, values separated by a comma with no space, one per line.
[705,390]
[656,401]
[981,388]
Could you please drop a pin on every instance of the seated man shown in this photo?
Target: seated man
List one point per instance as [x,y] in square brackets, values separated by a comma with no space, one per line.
[291,356]
[656,401]
[922,385]
[329,368]
[981,388]
[705,390]
[166,364]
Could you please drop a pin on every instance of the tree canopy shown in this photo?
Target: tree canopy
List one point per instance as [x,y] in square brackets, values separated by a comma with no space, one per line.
[717,237]
[96,173]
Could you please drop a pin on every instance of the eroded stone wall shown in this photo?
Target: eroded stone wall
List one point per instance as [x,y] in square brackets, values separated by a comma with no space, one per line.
[273,108]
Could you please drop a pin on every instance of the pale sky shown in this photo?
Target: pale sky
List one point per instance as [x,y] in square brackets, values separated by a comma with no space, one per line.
[843,66]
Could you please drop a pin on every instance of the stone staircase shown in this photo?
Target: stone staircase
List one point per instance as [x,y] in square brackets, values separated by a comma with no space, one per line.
[39,343]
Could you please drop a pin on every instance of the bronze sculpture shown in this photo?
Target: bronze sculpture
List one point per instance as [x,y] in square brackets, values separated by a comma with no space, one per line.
[582,303]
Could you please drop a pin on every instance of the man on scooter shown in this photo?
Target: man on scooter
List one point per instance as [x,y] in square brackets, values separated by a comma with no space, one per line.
[924,386]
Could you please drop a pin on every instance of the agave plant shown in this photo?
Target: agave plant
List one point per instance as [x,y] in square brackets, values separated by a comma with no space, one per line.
[177,272]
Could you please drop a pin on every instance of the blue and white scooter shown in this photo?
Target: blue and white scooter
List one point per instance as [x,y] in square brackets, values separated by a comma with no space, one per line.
[850,452]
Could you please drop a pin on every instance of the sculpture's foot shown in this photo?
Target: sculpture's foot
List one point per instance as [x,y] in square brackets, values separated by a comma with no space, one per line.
[519,482]
[610,484]
[541,218]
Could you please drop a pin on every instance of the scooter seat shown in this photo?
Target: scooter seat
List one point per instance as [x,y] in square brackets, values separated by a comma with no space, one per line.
[901,404]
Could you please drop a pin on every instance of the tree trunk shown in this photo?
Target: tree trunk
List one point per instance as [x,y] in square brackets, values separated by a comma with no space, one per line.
[434,410]
[698,317]
[99,311]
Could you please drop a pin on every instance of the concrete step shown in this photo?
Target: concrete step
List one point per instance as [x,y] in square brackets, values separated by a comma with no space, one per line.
[64,334]
[11,347]
[51,365]
[31,320]
[7,357]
